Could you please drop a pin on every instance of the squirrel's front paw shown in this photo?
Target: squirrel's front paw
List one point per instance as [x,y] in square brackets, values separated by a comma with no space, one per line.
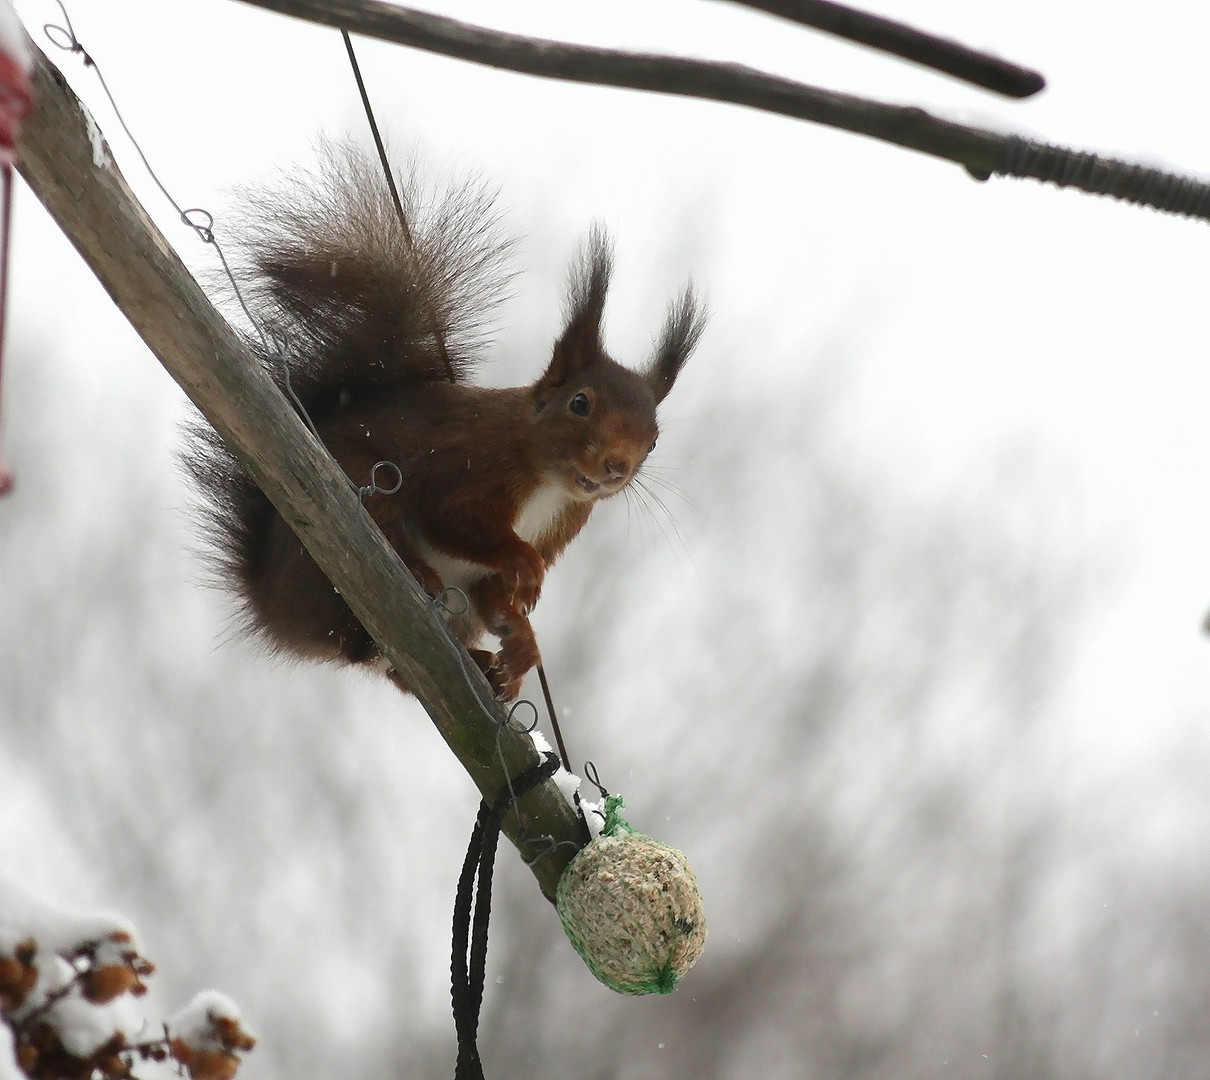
[518,656]
[503,684]
[523,581]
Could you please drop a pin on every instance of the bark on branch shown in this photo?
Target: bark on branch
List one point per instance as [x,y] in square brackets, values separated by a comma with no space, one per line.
[982,153]
[67,163]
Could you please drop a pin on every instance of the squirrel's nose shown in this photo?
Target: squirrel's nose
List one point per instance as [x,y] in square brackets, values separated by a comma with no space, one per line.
[615,469]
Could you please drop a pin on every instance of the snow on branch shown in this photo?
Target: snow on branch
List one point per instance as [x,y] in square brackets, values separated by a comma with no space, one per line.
[68,988]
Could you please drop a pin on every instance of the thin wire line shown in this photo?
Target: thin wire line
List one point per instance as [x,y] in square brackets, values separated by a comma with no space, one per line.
[65,38]
[554,720]
[438,336]
[382,153]
[201,221]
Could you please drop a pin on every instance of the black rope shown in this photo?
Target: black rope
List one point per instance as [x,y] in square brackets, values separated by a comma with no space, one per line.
[469,959]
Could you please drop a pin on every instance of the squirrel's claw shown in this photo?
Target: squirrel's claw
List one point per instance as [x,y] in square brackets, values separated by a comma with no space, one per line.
[430,581]
[523,581]
[501,677]
[517,656]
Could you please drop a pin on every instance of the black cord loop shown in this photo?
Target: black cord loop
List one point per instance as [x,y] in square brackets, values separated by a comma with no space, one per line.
[469,955]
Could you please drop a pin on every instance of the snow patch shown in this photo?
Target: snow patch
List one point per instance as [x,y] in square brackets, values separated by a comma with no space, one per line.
[568,783]
[97,141]
[8,1056]
[195,1023]
[55,928]
[73,983]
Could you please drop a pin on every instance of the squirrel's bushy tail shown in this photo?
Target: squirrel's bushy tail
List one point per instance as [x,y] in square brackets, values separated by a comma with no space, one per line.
[351,299]
[348,304]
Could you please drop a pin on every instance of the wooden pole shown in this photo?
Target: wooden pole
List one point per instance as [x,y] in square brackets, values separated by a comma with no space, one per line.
[65,160]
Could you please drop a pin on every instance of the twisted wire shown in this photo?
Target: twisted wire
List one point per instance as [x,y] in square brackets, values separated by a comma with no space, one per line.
[1140,184]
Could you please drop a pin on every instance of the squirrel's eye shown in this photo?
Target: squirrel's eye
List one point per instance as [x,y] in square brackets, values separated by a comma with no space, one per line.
[651,448]
[580,405]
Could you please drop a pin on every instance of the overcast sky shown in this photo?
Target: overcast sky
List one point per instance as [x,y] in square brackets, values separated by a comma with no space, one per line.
[964,328]
[964,316]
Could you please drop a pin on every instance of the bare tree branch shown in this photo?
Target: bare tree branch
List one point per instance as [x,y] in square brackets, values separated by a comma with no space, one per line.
[685,76]
[908,43]
[982,153]
[64,158]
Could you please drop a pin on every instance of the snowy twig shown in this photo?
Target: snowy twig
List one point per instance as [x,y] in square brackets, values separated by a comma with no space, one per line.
[981,152]
[49,1000]
[68,984]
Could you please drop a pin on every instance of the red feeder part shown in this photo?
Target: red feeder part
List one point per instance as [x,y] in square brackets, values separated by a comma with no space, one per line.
[16,103]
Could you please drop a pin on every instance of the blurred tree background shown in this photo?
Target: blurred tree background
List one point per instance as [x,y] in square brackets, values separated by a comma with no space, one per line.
[882,670]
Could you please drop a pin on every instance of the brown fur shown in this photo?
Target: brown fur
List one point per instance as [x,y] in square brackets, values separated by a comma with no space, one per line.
[334,278]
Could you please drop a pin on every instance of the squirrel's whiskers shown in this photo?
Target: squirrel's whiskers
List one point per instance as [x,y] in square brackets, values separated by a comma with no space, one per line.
[648,504]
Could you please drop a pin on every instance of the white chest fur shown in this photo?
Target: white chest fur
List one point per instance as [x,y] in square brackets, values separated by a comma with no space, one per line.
[539,511]
[537,514]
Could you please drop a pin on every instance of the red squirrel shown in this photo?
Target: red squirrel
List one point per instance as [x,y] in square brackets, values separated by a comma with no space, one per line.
[380,324]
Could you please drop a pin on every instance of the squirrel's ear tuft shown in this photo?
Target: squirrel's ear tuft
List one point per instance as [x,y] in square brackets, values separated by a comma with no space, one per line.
[580,343]
[682,329]
[587,284]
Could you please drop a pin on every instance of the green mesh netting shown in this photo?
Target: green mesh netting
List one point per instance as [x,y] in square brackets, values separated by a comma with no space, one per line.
[631,908]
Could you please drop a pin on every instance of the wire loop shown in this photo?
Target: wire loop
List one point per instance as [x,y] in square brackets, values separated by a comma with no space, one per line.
[373,487]
[594,778]
[441,604]
[1099,175]
[206,231]
[549,846]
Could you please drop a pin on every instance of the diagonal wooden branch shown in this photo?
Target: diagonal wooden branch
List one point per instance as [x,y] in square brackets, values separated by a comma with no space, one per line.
[982,153]
[67,163]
